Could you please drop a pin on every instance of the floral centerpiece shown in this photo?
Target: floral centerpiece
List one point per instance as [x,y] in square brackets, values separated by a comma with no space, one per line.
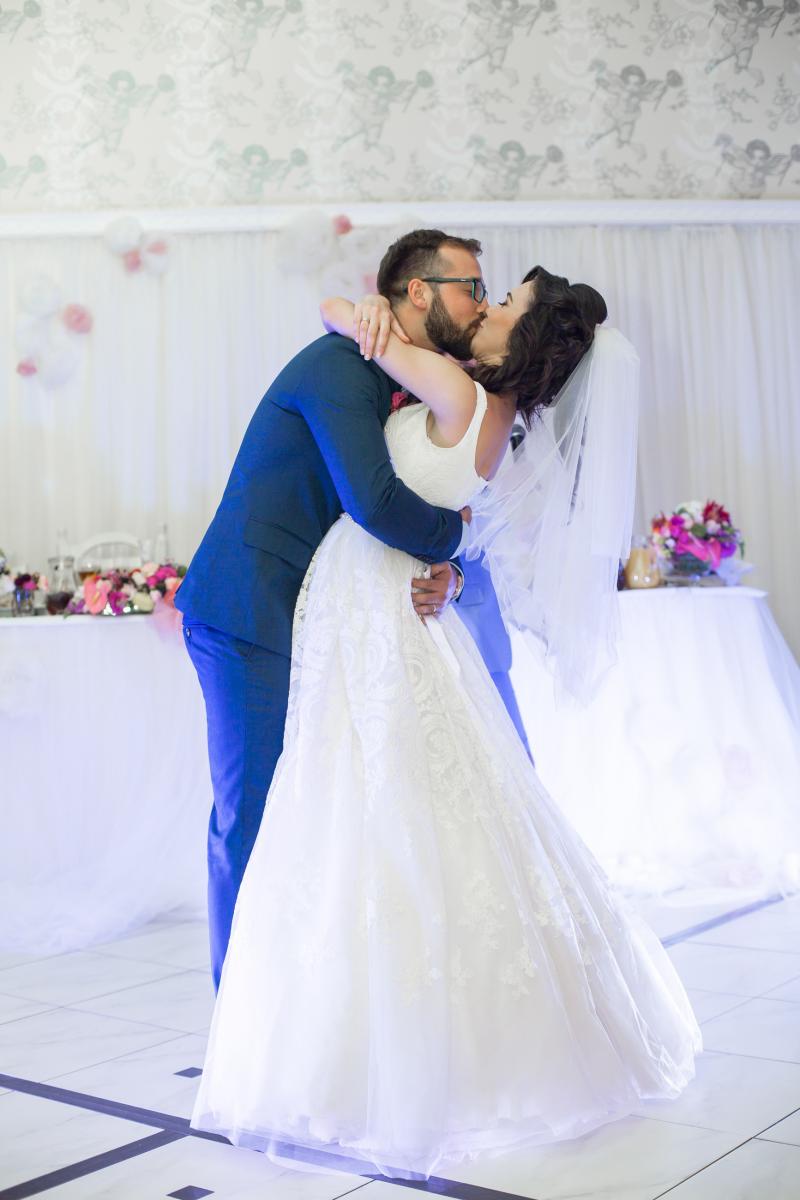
[26,585]
[696,537]
[117,593]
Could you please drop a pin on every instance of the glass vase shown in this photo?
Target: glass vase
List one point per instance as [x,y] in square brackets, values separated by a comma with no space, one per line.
[686,570]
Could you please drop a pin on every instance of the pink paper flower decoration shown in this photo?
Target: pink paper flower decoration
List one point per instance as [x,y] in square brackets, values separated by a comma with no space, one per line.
[133,261]
[77,318]
[342,224]
[26,366]
[95,593]
[369,283]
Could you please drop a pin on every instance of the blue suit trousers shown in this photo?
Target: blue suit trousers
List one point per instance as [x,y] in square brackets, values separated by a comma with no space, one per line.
[246,689]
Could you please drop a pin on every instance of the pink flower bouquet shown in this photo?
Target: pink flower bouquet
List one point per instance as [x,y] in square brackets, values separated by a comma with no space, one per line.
[696,535]
[117,593]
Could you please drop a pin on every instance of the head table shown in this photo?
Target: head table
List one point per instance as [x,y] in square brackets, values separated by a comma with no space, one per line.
[105,778]
[683,774]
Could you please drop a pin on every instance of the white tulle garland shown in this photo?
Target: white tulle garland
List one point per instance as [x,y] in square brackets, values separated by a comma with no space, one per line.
[338,256]
[138,249]
[48,332]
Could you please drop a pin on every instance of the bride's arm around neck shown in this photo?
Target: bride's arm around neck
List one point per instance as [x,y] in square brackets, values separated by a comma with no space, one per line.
[442,385]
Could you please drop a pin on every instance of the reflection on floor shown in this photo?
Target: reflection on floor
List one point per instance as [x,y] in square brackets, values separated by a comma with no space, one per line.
[100,1053]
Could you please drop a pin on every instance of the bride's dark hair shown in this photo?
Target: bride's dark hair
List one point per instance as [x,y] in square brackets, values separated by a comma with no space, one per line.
[547,342]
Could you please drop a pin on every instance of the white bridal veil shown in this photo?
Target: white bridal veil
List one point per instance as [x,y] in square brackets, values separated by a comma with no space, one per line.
[556,520]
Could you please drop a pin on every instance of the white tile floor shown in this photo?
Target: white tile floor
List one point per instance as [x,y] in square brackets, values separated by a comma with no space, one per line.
[120,1023]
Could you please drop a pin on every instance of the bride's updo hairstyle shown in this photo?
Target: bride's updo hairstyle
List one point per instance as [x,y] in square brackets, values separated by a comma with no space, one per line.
[547,342]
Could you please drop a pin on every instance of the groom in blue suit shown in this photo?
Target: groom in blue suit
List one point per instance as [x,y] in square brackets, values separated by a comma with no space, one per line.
[314,448]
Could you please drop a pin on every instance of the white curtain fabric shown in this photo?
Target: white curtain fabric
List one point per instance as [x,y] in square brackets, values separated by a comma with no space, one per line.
[148,427]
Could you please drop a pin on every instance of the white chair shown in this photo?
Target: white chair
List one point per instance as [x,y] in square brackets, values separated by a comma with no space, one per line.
[109,550]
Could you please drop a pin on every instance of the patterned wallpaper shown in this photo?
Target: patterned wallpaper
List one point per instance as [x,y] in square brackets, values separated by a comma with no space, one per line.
[175,103]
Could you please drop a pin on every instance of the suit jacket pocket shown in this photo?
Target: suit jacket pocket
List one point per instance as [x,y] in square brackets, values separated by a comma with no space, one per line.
[273,539]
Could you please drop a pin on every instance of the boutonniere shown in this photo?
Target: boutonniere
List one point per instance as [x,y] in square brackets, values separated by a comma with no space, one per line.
[399,399]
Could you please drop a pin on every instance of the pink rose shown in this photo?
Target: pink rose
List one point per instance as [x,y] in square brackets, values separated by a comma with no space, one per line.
[77,318]
[26,367]
[148,568]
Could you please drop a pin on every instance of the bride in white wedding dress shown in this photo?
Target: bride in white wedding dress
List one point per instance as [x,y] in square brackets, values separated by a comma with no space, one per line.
[426,962]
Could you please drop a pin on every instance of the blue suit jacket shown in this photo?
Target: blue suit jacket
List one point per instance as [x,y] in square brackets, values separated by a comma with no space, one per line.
[314,447]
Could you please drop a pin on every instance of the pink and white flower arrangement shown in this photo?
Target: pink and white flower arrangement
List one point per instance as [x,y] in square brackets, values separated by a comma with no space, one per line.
[703,532]
[116,593]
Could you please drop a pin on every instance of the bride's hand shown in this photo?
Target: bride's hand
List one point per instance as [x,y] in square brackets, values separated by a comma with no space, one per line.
[373,321]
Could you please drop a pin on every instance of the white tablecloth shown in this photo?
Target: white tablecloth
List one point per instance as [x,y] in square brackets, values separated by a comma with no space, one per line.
[105,781]
[684,772]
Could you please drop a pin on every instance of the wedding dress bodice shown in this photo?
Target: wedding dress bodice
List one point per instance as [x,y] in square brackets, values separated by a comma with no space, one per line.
[441,475]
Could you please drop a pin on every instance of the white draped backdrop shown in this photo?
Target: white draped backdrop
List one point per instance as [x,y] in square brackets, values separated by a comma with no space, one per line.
[148,427]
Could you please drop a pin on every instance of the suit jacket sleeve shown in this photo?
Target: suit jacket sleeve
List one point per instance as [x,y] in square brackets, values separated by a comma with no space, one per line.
[341,402]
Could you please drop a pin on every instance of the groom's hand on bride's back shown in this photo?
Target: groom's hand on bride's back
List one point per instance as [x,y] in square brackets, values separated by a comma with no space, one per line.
[432,594]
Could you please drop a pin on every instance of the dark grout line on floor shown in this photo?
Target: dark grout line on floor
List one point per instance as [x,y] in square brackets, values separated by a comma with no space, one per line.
[89,1166]
[722,919]
[173,1128]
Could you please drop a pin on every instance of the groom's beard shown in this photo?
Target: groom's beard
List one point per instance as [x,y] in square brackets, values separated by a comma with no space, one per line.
[445,334]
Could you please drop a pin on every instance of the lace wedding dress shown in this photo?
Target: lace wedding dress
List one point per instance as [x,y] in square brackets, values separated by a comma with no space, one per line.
[426,962]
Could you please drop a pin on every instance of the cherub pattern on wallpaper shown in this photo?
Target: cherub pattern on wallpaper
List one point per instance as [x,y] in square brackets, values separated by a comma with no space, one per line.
[116,103]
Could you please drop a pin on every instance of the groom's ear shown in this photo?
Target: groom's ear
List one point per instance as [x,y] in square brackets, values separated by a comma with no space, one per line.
[418,293]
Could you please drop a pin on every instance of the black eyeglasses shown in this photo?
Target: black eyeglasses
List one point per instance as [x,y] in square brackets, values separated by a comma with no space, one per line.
[478,286]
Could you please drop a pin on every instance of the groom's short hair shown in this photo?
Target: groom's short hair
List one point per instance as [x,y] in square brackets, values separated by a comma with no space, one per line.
[415,255]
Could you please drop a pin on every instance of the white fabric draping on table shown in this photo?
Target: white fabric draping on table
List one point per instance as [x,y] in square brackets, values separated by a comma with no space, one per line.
[106,788]
[684,771]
